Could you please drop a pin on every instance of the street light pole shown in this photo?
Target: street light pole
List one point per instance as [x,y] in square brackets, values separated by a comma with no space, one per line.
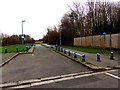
[60,36]
[104,33]
[22,36]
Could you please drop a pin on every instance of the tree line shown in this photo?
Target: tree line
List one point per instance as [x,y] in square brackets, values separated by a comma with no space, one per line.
[14,39]
[90,18]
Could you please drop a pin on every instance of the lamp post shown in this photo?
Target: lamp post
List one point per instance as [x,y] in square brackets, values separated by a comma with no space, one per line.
[48,36]
[104,33]
[60,36]
[22,36]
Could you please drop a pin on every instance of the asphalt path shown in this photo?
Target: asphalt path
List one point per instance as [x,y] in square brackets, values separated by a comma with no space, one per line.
[42,63]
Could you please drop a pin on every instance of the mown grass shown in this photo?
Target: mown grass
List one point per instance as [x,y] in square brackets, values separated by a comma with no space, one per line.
[92,50]
[12,48]
[39,42]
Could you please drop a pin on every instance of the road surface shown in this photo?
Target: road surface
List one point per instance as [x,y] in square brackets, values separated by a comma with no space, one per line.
[45,63]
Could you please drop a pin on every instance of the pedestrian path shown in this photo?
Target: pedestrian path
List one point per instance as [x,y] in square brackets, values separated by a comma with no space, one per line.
[6,56]
[104,62]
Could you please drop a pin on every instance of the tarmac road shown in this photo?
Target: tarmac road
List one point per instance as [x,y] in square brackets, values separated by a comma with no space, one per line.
[43,63]
[99,81]
[46,63]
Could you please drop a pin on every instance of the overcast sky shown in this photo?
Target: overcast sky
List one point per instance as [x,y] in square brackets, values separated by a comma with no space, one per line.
[38,14]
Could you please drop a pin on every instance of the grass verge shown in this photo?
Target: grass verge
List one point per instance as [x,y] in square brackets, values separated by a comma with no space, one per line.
[92,50]
[12,48]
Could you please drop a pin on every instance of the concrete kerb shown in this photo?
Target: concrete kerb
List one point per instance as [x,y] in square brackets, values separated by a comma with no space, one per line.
[31,50]
[45,45]
[114,67]
[7,61]
[87,64]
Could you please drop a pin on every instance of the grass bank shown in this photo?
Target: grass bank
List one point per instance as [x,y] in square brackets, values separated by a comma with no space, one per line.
[12,48]
[92,50]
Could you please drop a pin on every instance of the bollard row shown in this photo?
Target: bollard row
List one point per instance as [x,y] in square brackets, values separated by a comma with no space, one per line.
[27,48]
[111,56]
[17,50]
[6,50]
[75,54]
[68,52]
[98,57]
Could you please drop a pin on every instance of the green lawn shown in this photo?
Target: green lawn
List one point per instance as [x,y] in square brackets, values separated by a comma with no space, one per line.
[12,48]
[39,42]
[91,50]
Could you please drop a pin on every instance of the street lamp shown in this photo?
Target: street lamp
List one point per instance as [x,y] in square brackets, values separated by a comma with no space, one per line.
[22,36]
[60,36]
[104,33]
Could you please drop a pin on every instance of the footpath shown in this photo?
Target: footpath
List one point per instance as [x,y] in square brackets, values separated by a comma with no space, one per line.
[90,60]
[7,57]
[105,61]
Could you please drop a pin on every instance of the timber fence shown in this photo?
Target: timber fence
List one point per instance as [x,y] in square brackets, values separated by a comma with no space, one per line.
[104,41]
